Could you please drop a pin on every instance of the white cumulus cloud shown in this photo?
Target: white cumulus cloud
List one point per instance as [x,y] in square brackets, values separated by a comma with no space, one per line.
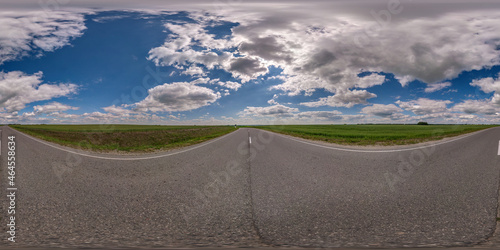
[22,33]
[178,96]
[277,110]
[347,99]
[433,87]
[424,106]
[18,89]
[487,85]
[321,115]
[53,107]
[382,110]
[476,107]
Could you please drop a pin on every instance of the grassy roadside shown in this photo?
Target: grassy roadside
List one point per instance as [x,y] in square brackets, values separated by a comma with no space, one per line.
[124,138]
[384,135]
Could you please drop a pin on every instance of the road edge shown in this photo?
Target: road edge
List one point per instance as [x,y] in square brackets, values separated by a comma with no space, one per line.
[104,156]
[378,149]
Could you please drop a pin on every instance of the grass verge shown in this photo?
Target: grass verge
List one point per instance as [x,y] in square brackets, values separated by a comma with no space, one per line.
[124,138]
[384,135]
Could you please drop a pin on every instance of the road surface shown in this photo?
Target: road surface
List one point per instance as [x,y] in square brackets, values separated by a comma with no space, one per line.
[256,189]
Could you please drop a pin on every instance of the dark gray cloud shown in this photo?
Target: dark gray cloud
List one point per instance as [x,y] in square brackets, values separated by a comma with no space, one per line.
[360,8]
[267,48]
[319,59]
[247,66]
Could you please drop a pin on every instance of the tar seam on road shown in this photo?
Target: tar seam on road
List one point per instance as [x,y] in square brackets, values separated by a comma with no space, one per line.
[379,151]
[493,235]
[252,209]
[495,232]
[125,159]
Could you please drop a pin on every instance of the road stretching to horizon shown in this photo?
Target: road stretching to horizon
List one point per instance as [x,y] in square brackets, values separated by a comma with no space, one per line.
[255,188]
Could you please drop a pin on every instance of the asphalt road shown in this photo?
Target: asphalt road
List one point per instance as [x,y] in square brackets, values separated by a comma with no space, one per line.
[255,189]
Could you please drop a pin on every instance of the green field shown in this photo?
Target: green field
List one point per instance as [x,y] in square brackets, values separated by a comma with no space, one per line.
[374,134]
[124,138]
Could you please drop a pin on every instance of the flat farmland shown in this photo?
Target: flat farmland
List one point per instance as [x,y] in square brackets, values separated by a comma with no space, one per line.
[374,134]
[124,138]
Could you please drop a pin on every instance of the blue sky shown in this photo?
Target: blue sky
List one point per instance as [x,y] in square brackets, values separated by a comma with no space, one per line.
[253,63]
